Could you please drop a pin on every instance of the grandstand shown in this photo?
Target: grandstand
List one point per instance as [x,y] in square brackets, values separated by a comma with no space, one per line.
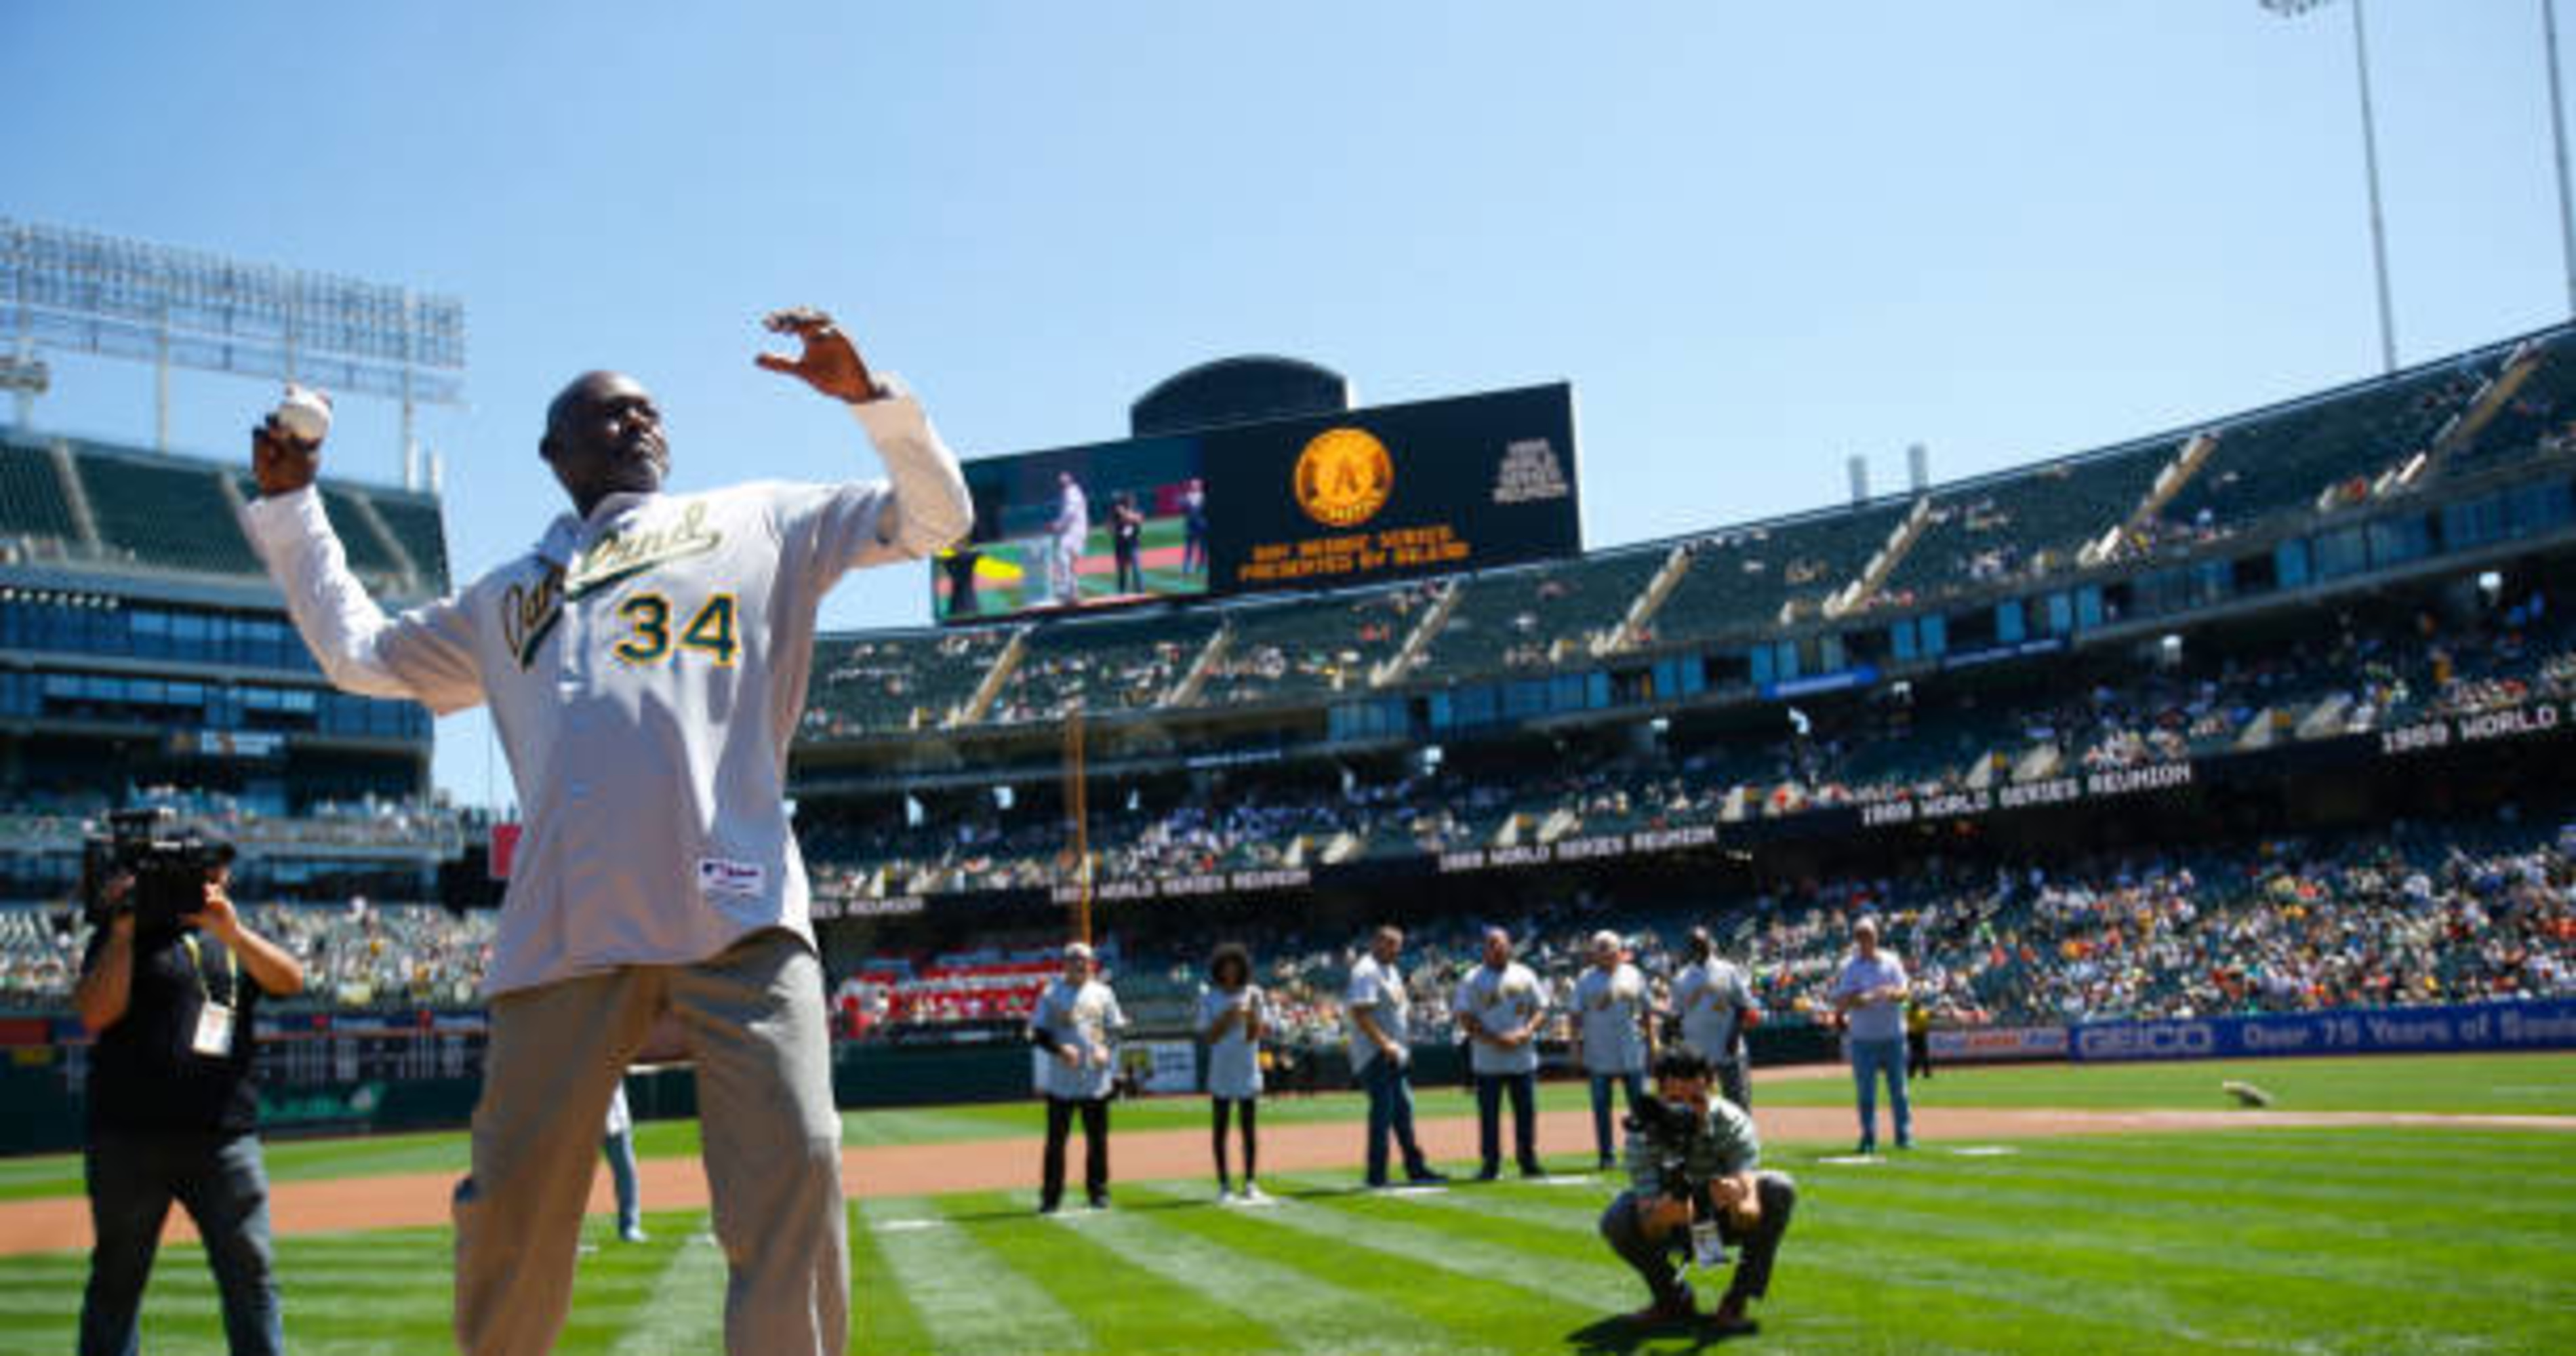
[2196,626]
[2297,622]
[145,660]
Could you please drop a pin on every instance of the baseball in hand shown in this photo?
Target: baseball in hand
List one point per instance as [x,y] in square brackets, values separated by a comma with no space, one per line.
[305,414]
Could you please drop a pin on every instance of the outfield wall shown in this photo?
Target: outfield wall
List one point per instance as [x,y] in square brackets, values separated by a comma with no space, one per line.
[2537,1024]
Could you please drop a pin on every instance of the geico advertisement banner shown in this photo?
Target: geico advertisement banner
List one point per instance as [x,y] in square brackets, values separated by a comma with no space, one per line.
[2545,1024]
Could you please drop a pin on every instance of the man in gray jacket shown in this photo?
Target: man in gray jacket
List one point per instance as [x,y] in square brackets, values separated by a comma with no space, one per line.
[645,665]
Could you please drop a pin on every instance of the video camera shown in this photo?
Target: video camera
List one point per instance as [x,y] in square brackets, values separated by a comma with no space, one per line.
[170,868]
[1673,1131]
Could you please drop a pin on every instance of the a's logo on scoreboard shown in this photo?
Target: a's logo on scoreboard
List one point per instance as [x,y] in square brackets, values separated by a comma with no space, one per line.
[1344,477]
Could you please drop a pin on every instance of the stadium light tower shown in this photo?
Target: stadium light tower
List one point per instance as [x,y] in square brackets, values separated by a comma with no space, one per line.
[2291,9]
[116,298]
[2558,139]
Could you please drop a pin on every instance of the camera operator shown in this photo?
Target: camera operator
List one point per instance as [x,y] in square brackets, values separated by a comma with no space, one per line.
[1693,1167]
[171,994]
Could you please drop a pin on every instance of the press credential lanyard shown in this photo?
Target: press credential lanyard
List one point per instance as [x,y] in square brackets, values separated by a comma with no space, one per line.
[214,1037]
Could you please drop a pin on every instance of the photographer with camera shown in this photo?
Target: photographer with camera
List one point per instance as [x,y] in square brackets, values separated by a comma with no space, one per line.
[170,987]
[1695,1187]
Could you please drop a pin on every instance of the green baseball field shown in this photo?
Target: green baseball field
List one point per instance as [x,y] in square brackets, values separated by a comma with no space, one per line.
[2387,1205]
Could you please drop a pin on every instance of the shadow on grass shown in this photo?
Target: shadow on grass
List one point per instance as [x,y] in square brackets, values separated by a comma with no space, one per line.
[1076,1212]
[1623,1336]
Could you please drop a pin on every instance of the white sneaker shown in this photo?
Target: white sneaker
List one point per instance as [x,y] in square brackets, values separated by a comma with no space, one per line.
[1252,1195]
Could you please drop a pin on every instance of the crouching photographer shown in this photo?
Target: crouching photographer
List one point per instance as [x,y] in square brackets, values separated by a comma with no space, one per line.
[170,987]
[1696,1189]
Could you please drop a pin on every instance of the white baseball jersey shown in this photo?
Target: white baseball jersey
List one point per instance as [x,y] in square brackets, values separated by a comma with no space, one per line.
[645,668]
[1234,1061]
[1380,989]
[1502,1001]
[1082,1018]
[1709,995]
[1610,1003]
[620,1119]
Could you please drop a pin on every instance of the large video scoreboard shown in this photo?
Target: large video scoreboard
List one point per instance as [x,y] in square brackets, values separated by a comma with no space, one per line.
[1320,501]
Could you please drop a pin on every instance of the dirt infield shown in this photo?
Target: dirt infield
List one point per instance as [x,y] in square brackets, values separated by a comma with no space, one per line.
[1003,1164]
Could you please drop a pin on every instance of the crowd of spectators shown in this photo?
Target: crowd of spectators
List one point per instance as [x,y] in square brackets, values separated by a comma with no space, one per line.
[1893,744]
[59,820]
[356,956]
[2411,916]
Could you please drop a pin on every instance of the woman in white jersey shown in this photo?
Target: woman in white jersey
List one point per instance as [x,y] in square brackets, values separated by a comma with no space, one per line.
[1233,1012]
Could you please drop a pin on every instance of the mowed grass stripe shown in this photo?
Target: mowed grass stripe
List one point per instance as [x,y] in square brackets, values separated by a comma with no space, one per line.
[2250,1210]
[1495,1311]
[1126,1307]
[682,1305]
[968,1299]
[2534,1211]
[882,1316]
[1309,1314]
[2212,1268]
[1386,1225]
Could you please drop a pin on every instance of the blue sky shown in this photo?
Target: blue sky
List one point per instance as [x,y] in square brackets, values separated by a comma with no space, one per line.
[1758,238]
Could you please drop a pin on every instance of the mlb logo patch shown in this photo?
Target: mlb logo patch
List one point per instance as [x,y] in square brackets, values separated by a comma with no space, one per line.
[723,876]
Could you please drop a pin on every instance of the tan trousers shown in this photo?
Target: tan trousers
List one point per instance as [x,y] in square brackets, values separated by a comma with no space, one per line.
[772,1146]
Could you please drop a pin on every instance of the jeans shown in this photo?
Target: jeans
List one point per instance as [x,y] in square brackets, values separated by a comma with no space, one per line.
[1095,1149]
[1389,1086]
[1869,1059]
[620,1149]
[1601,1085]
[1523,1088]
[223,1184]
[1654,1261]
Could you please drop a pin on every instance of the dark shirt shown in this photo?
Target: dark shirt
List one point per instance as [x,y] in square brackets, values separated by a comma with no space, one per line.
[144,1074]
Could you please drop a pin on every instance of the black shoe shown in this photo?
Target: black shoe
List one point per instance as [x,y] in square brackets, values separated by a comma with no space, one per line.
[1426,1177]
[1048,1207]
[1489,1174]
[1100,1200]
[1533,1170]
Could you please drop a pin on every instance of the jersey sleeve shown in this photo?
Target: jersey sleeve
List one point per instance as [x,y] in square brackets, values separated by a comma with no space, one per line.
[1363,990]
[918,510]
[425,654]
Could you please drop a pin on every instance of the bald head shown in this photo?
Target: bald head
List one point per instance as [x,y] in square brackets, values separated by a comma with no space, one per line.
[604,437]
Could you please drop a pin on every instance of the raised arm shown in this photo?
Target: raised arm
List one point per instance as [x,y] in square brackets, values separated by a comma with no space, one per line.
[425,655]
[924,508]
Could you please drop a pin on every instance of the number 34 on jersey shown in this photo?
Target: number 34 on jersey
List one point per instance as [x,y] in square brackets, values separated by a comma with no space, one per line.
[651,632]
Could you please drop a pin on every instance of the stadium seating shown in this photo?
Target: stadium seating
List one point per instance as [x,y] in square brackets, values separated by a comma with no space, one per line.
[1537,617]
[2537,421]
[1101,666]
[1740,578]
[1308,648]
[889,682]
[367,551]
[2280,462]
[2026,524]
[34,516]
[415,524]
[164,513]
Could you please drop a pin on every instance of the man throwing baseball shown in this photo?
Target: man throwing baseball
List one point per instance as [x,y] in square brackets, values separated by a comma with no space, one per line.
[645,663]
